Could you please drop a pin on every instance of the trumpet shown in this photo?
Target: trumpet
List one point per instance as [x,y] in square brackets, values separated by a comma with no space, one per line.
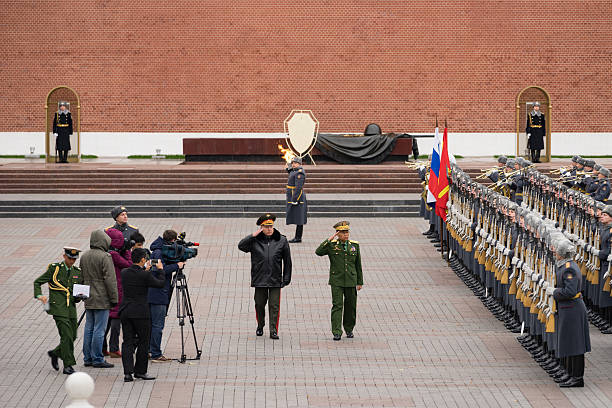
[487,172]
[416,164]
[560,170]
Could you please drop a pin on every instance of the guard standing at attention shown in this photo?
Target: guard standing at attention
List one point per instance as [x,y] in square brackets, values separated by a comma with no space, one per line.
[536,130]
[297,206]
[60,277]
[62,128]
[345,278]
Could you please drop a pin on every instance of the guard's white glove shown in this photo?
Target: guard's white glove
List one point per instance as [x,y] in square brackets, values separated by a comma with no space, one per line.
[514,260]
[421,168]
[477,230]
[605,275]
[588,248]
[527,270]
[499,247]
[595,252]
[448,205]
[581,242]
[489,239]
[483,233]
[609,258]
[519,264]
[528,134]
[55,134]
[550,290]
[506,252]
[534,277]
[545,284]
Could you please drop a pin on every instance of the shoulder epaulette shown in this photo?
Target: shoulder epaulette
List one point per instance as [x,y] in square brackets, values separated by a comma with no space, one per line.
[132,226]
[333,241]
[353,242]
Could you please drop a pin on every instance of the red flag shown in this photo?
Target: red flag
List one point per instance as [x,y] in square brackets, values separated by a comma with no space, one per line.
[442,191]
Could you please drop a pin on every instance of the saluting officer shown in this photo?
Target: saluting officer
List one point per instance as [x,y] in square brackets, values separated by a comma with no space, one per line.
[270,270]
[60,277]
[62,128]
[536,130]
[120,215]
[345,278]
[297,206]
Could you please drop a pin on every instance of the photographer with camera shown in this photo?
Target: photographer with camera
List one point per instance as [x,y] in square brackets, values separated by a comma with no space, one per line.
[270,270]
[159,298]
[134,314]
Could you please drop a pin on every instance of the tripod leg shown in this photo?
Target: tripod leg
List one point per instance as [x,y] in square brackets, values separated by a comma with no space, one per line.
[189,311]
[180,314]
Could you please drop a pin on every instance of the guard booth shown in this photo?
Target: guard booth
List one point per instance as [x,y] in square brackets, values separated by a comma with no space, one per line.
[524,104]
[70,97]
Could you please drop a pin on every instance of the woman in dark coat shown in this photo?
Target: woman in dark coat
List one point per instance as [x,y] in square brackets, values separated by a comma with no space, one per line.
[122,259]
[573,339]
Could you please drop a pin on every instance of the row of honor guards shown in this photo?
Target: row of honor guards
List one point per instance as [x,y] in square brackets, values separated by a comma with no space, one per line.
[537,252]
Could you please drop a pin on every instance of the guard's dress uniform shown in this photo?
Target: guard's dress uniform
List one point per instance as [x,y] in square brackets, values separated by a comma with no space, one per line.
[536,128]
[297,206]
[62,307]
[603,191]
[344,275]
[62,126]
[573,338]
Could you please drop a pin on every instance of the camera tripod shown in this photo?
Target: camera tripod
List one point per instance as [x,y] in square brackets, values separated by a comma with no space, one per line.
[184,310]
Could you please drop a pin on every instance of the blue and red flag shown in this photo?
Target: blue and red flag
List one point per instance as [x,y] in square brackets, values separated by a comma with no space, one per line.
[443,183]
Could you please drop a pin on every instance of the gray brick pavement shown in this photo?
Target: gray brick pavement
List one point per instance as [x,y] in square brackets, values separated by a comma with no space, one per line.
[422,338]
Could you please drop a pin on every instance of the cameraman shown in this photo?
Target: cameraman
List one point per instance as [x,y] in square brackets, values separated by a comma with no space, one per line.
[159,298]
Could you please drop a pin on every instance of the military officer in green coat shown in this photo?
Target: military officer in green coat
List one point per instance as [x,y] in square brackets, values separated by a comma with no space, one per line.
[60,277]
[345,278]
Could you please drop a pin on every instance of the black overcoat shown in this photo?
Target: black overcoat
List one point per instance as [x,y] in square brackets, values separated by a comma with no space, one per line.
[62,125]
[296,213]
[536,126]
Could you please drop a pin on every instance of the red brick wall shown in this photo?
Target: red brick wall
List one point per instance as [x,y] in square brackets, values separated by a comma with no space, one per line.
[150,65]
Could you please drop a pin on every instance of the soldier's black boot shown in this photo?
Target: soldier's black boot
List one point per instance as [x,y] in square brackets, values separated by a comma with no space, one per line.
[259,331]
[430,230]
[54,362]
[572,382]
[299,229]
[337,337]
[273,335]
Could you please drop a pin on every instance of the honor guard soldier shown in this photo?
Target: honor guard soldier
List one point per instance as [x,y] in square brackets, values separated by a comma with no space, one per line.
[60,277]
[62,128]
[536,130]
[297,206]
[603,187]
[120,215]
[270,270]
[345,278]
[573,339]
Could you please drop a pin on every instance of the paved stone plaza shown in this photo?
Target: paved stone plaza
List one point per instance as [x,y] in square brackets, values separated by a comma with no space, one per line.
[422,338]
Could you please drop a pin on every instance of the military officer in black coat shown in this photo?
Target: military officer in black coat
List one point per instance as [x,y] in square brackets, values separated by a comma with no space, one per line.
[536,131]
[62,128]
[120,215]
[573,339]
[297,206]
[270,270]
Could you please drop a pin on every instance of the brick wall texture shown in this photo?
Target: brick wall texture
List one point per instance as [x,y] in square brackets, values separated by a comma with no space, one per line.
[242,66]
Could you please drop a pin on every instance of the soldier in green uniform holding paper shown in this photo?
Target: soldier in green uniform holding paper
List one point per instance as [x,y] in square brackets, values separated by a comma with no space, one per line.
[60,277]
[345,278]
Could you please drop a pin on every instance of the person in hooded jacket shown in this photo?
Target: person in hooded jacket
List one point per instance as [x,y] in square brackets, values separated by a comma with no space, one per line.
[122,258]
[159,298]
[270,270]
[99,273]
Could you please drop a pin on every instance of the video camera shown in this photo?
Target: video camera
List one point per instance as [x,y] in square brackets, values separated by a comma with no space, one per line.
[180,250]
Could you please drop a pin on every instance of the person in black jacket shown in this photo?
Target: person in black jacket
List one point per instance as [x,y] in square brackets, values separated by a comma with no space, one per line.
[135,316]
[270,270]
[536,132]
